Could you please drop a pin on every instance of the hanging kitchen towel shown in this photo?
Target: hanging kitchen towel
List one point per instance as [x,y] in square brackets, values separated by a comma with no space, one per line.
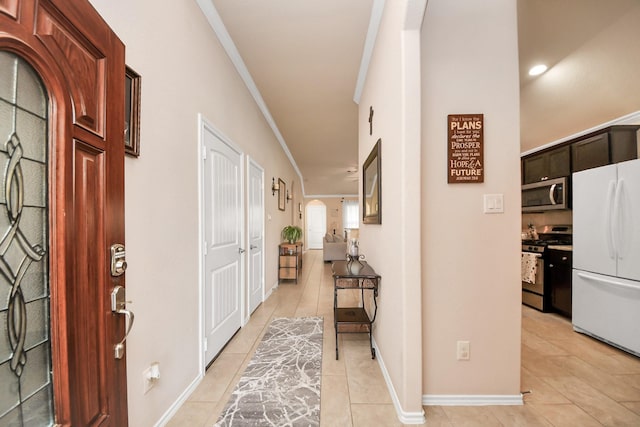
[529,267]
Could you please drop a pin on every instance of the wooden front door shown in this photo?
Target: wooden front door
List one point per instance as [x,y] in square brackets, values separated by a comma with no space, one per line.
[77,170]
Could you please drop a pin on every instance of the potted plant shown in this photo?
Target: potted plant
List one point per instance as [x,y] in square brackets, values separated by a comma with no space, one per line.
[292,233]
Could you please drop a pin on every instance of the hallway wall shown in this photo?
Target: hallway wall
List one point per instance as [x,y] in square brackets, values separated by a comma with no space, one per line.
[471,268]
[393,248]
[184,72]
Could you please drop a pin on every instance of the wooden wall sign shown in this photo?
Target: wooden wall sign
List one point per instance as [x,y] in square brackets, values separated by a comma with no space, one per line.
[466,148]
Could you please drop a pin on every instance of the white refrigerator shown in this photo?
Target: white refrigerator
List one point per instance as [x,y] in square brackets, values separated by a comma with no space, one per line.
[606,254]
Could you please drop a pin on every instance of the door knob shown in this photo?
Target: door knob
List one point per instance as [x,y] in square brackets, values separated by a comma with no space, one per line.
[120,265]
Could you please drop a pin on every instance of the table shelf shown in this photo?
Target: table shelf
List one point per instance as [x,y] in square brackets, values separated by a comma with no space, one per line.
[289,261]
[354,320]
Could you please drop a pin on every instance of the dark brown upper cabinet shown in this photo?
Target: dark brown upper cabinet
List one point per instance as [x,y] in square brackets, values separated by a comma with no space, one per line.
[606,146]
[546,165]
[613,145]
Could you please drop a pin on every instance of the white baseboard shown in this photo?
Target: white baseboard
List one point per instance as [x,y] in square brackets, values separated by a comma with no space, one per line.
[173,409]
[471,400]
[270,291]
[405,417]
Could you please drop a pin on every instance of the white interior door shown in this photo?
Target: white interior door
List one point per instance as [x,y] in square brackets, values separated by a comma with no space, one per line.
[316,225]
[223,223]
[255,196]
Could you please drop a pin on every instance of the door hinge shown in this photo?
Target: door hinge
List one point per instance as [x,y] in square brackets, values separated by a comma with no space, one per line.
[205,247]
[204,153]
[206,344]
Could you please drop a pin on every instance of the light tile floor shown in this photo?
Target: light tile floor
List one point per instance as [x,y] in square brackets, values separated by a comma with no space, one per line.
[574,380]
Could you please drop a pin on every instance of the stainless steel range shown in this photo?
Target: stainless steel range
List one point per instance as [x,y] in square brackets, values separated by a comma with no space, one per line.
[536,292]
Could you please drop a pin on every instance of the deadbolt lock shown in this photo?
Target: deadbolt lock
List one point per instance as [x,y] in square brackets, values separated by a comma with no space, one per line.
[118,262]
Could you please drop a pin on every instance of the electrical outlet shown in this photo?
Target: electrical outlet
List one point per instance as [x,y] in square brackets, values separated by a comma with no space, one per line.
[150,377]
[463,350]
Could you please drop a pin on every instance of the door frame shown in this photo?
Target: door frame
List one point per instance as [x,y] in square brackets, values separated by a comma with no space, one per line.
[203,124]
[252,162]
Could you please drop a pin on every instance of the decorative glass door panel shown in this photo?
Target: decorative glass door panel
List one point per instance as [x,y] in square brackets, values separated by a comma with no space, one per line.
[25,357]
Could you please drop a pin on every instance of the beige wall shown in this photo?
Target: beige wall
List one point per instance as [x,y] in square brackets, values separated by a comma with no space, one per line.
[470,260]
[184,72]
[593,85]
[393,247]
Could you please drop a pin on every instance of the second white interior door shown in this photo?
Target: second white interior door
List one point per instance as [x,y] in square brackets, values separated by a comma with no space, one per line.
[316,225]
[255,260]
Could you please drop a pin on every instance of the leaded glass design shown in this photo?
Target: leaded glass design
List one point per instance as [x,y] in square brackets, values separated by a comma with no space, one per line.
[26,395]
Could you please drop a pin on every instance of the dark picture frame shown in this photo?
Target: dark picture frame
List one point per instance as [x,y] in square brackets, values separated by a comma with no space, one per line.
[132,84]
[372,186]
[282,194]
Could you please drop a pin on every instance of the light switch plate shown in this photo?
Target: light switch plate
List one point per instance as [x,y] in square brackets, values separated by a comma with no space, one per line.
[493,203]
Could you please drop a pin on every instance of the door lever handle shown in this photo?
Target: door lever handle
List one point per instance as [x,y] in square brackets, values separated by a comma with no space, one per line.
[253,247]
[241,251]
[118,304]
[118,349]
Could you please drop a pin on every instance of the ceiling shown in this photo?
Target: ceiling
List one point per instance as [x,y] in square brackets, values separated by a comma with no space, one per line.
[304,58]
[550,30]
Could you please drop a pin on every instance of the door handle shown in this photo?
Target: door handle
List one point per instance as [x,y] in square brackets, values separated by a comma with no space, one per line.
[241,251]
[253,247]
[118,304]
[552,196]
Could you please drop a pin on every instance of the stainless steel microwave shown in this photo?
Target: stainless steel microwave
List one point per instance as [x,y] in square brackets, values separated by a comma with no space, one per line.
[545,195]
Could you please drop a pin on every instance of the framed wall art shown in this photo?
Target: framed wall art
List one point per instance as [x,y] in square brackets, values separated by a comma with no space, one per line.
[132,112]
[282,194]
[371,186]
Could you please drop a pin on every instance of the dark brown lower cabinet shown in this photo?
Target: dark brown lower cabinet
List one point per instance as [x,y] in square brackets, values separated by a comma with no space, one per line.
[558,278]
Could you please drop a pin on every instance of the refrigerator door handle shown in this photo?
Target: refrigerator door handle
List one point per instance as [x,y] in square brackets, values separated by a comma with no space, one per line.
[608,222]
[619,217]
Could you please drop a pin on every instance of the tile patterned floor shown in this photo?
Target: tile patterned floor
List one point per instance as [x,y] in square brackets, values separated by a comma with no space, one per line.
[575,380]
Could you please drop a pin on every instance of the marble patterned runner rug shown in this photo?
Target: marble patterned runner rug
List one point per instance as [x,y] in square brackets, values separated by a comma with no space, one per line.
[281,385]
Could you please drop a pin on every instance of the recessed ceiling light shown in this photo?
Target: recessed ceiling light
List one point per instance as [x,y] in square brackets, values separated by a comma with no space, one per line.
[537,70]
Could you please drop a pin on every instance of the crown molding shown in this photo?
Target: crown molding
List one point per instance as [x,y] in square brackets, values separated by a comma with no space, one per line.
[328,196]
[370,41]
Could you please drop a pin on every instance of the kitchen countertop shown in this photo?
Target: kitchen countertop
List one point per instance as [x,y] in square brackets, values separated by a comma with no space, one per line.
[561,247]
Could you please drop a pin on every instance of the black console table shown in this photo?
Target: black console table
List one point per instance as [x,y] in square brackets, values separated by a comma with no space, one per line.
[354,275]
